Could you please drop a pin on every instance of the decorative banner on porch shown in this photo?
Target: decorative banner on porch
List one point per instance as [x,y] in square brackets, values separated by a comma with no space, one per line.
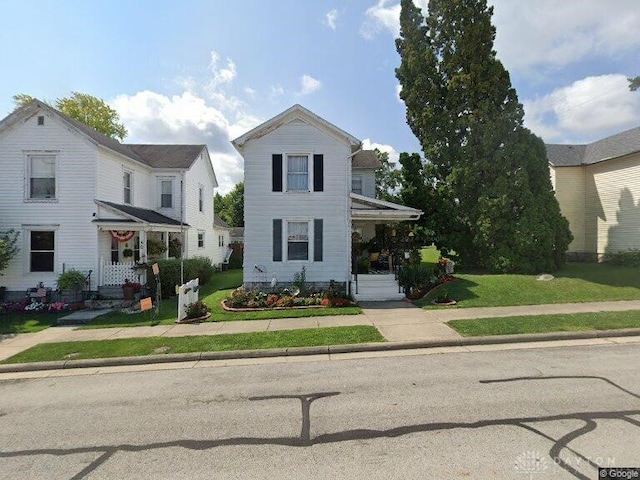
[122,235]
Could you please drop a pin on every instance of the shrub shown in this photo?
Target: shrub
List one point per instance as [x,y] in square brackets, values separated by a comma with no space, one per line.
[416,276]
[629,258]
[71,280]
[196,309]
[197,267]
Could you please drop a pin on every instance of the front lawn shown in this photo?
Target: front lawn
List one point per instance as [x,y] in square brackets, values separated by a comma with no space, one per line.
[573,322]
[212,294]
[576,282]
[27,322]
[214,343]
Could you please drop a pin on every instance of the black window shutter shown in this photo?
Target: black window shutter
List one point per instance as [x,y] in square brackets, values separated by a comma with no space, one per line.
[276,172]
[277,239]
[317,240]
[318,173]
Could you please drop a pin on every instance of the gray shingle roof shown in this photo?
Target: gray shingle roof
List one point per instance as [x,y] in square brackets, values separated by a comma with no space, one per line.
[156,156]
[366,159]
[218,222]
[146,215]
[615,146]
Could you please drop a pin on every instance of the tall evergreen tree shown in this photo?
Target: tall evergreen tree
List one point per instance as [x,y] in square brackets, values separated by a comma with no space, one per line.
[490,173]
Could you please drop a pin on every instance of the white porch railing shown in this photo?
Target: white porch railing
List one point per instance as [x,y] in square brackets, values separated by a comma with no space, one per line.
[116,273]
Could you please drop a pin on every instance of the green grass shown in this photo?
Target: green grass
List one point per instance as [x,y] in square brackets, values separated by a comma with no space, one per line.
[27,322]
[214,343]
[573,322]
[430,255]
[212,294]
[576,282]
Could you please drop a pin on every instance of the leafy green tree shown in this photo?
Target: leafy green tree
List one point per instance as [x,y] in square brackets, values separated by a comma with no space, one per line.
[87,109]
[8,247]
[387,178]
[487,175]
[634,83]
[230,208]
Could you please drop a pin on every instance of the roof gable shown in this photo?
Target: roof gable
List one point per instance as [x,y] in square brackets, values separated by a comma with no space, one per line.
[296,112]
[615,146]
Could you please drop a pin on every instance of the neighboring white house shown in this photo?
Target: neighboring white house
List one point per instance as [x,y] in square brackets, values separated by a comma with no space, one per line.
[85,201]
[299,208]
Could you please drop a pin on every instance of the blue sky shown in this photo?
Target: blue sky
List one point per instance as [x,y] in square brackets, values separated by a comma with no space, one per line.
[206,71]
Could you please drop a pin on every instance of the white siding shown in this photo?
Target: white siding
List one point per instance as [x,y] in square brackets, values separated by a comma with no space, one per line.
[368,181]
[331,205]
[569,185]
[200,175]
[72,211]
[110,184]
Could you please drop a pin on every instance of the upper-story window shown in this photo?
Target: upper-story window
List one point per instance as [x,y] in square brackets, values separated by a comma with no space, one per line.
[42,177]
[166,193]
[127,182]
[356,184]
[201,198]
[297,173]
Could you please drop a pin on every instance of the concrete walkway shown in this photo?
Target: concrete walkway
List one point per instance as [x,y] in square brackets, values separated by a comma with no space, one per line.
[399,322]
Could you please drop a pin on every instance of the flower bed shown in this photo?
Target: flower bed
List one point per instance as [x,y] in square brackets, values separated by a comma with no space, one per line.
[242,300]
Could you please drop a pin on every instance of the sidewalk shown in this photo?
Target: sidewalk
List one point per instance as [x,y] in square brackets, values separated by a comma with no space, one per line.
[401,323]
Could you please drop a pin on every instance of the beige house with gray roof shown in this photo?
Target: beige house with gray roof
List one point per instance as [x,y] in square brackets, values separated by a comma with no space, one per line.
[598,189]
[86,201]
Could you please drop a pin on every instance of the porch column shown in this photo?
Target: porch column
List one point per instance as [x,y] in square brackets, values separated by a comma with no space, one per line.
[143,246]
[166,245]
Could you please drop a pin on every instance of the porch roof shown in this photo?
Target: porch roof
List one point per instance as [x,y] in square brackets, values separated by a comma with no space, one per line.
[136,218]
[367,208]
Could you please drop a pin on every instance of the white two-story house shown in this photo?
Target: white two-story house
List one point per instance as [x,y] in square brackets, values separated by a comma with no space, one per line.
[85,201]
[309,187]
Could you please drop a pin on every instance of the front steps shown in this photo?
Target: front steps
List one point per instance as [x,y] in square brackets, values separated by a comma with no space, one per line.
[376,288]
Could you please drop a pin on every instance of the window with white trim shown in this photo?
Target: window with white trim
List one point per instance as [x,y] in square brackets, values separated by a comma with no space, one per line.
[221,240]
[42,245]
[201,198]
[42,177]
[200,239]
[127,184]
[297,240]
[166,193]
[297,173]
[356,184]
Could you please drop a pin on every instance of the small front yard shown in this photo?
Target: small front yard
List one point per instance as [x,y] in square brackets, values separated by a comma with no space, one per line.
[574,322]
[27,322]
[576,282]
[214,343]
[212,294]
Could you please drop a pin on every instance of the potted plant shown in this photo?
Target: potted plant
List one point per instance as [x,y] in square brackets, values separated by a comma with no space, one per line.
[70,285]
[155,247]
[196,311]
[127,252]
[129,289]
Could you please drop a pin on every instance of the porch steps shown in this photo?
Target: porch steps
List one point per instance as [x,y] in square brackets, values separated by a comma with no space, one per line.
[110,292]
[376,288]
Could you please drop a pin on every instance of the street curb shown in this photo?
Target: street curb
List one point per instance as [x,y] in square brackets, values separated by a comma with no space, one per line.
[319,350]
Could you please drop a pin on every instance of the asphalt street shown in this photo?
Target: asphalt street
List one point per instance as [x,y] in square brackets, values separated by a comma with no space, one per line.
[553,413]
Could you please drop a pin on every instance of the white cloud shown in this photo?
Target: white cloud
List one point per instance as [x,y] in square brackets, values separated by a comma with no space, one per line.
[251,93]
[379,18]
[555,34]
[152,117]
[308,85]
[276,91]
[331,19]
[394,156]
[586,110]
[398,91]
[220,74]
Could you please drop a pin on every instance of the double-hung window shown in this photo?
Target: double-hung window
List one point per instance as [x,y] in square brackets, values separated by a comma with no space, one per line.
[356,184]
[200,239]
[166,194]
[297,173]
[41,250]
[297,240]
[127,182]
[42,177]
